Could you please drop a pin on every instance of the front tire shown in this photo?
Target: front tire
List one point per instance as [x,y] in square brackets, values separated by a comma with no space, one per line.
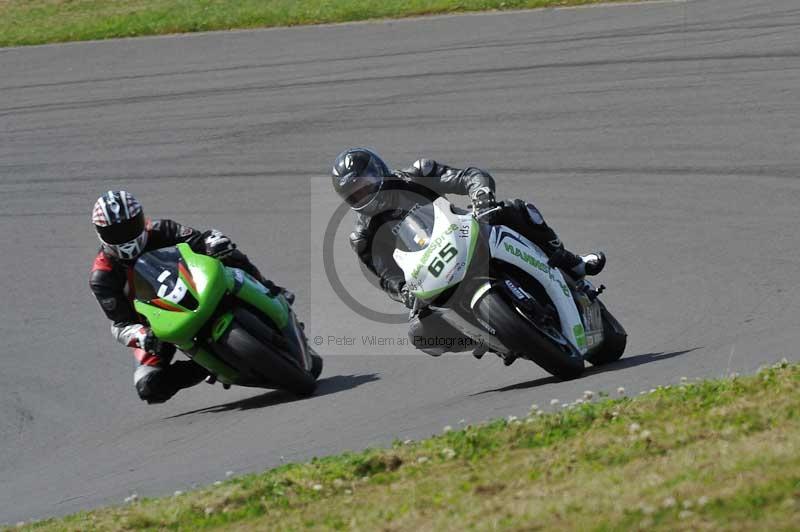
[562,361]
[247,340]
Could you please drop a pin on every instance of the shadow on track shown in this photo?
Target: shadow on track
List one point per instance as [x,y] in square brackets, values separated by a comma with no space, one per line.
[326,386]
[623,363]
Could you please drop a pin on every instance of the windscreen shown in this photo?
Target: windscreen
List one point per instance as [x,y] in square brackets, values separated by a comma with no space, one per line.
[157,276]
[414,232]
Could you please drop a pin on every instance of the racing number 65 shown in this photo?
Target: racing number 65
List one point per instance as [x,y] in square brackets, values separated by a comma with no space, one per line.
[447,254]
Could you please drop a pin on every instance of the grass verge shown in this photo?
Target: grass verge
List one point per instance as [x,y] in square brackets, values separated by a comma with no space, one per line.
[715,455]
[47,21]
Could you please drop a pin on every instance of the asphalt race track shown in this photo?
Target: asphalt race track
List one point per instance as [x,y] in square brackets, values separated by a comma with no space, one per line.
[666,134]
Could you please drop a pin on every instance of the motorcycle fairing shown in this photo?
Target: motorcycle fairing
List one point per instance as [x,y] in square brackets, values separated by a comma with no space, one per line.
[509,246]
[451,245]
[202,276]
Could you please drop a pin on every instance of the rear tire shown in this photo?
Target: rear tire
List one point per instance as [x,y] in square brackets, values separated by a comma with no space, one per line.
[614,340]
[244,340]
[565,362]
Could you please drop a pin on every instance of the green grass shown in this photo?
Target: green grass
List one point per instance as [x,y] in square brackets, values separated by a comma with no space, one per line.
[715,455]
[45,21]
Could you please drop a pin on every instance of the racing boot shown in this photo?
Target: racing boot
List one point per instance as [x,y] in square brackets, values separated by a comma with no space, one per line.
[578,266]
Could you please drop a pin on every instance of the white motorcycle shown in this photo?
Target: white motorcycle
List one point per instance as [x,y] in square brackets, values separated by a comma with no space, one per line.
[495,286]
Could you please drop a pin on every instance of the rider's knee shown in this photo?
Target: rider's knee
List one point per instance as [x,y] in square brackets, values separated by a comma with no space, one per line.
[152,384]
[527,212]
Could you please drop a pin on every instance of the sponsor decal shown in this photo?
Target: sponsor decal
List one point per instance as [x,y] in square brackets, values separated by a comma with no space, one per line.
[580,335]
[432,247]
[486,326]
[455,271]
[518,293]
[536,263]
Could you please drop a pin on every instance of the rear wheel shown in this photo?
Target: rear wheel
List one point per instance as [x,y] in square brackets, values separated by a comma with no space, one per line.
[614,340]
[516,333]
[248,339]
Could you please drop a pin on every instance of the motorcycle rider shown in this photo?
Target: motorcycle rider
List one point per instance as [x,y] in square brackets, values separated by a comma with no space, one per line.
[125,234]
[378,195]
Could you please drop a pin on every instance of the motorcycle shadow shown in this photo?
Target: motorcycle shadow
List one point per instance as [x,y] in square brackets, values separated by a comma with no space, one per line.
[623,363]
[325,386]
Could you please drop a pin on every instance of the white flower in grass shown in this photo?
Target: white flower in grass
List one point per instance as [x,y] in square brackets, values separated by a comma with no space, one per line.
[645,434]
[634,428]
[348,492]
[133,497]
[218,483]
[208,511]
[669,502]
[447,428]
[653,390]
[620,391]
[702,501]
[554,401]
[588,394]
[338,483]
[534,407]
[684,379]
[178,493]
[687,504]
[408,442]
[448,453]
[578,401]
[685,514]
[422,459]
[229,474]
[511,419]
[317,487]
[462,421]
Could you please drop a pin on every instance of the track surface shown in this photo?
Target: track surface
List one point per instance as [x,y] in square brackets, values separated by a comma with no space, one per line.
[666,134]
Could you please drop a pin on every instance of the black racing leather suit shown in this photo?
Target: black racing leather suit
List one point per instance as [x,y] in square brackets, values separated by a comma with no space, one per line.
[425,180]
[110,280]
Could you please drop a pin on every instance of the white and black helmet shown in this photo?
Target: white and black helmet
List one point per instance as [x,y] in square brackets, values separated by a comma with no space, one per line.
[358,175]
[120,224]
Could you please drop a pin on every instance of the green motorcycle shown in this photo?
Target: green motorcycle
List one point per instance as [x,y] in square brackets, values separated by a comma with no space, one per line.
[225,320]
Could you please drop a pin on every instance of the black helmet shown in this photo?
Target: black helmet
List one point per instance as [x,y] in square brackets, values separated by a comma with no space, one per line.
[358,175]
[119,221]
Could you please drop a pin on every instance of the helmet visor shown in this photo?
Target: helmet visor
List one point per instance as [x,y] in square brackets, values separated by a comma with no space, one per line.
[123,232]
[364,191]
[365,185]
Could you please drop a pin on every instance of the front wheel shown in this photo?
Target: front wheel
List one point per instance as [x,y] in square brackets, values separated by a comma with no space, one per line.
[246,341]
[561,360]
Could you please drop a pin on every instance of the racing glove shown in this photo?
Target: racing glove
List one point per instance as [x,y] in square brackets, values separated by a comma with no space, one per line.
[483,200]
[218,245]
[406,297]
